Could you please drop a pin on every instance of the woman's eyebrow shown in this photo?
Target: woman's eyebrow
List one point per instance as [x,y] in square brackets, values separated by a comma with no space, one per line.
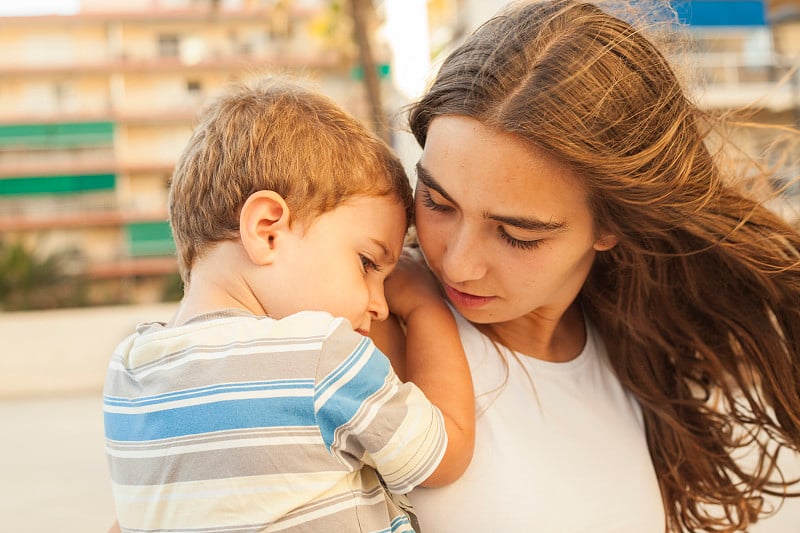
[530,224]
[525,223]
[425,177]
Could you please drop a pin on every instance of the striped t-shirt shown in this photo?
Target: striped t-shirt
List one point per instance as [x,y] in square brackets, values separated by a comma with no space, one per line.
[234,422]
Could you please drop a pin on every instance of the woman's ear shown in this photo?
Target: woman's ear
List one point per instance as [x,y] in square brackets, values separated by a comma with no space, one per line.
[605,242]
[263,221]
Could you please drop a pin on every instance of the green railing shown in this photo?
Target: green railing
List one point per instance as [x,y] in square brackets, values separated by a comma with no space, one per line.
[59,135]
[150,239]
[40,185]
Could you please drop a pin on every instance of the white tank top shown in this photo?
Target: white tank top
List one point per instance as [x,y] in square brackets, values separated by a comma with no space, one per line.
[563,452]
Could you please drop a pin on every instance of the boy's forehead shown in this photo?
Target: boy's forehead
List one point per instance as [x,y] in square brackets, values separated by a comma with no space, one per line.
[389,252]
[388,227]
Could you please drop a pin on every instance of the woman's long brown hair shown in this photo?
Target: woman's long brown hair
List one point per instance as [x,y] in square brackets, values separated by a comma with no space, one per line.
[699,303]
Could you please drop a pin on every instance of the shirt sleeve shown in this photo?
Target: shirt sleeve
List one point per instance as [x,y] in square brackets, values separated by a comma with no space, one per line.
[368,416]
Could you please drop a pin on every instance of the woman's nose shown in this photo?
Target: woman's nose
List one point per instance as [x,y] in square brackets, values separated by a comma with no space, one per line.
[463,258]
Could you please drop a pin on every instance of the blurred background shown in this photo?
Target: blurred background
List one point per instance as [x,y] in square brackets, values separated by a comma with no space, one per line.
[98,97]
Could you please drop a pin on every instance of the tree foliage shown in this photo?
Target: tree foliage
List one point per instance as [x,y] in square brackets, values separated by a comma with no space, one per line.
[30,281]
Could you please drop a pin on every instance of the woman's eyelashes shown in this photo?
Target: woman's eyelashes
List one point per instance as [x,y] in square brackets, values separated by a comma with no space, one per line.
[518,243]
[427,201]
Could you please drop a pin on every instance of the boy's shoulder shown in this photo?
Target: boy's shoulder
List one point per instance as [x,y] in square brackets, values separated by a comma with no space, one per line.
[307,322]
[307,330]
[303,324]
[234,324]
[310,323]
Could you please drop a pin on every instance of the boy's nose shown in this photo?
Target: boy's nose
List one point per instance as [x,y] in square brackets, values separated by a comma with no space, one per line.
[378,307]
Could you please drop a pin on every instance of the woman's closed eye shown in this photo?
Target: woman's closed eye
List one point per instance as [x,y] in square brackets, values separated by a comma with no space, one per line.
[428,202]
[518,243]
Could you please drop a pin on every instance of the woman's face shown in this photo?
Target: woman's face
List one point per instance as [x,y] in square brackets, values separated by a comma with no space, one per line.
[505,228]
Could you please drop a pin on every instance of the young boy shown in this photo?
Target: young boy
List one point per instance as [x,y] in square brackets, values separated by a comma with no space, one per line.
[262,405]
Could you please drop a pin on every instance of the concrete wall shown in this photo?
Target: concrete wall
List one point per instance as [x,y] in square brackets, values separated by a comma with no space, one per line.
[65,351]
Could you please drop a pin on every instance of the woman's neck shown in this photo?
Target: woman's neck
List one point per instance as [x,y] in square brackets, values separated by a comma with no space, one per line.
[558,338]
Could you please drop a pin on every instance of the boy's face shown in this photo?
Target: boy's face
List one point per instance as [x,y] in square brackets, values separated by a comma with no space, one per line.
[338,264]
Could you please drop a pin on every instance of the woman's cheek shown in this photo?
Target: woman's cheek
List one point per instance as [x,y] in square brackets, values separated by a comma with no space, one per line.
[431,236]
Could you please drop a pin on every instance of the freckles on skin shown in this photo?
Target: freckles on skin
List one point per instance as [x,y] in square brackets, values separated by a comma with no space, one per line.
[498,187]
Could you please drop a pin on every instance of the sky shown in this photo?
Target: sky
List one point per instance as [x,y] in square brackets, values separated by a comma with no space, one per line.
[37,7]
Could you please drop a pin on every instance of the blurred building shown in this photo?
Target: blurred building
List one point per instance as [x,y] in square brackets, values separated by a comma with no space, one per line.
[746,55]
[95,108]
[735,53]
[784,18]
[742,54]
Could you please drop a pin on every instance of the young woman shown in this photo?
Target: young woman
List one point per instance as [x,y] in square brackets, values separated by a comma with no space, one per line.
[631,317]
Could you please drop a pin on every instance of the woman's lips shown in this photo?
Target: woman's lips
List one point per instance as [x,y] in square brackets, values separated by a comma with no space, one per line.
[462,299]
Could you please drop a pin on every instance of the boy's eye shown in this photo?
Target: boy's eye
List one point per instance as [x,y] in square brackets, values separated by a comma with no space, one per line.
[517,243]
[368,264]
[427,201]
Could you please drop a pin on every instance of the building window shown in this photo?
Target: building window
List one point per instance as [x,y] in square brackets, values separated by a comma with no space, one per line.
[194,87]
[168,45]
[65,96]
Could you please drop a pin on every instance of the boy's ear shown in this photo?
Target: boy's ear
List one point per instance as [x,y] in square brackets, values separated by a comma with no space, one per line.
[262,221]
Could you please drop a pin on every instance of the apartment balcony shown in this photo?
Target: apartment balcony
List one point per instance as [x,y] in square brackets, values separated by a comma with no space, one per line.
[49,221]
[149,11]
[56,166]
[292,60]
[732,81]
[143,244]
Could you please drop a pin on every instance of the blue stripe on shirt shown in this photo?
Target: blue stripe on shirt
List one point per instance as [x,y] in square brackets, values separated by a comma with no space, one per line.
[345,402]
[222,388]
[401,520]
[210,417]
[346,365]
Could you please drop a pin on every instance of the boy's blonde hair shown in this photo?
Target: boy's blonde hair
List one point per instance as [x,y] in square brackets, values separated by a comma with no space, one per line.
[274,135]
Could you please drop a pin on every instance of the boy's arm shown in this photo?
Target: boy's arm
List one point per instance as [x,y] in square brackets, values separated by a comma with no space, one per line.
[435,360]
